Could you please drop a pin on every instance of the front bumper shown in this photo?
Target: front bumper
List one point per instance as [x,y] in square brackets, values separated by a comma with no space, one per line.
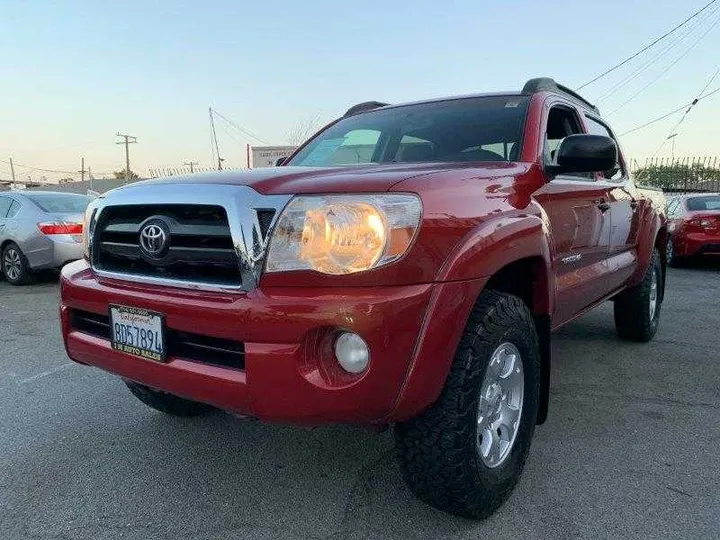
[288,373]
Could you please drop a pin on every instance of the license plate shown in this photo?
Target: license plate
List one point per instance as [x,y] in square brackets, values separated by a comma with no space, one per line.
[139,332]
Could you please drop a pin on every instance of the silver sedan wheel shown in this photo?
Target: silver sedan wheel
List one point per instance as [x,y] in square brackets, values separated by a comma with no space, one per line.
[500,405]
[653,293]
[12,264]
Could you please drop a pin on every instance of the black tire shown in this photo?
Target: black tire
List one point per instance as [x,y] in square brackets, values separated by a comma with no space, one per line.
[438,452]
[167,403]
[672,259]
[633,320]
[12,252]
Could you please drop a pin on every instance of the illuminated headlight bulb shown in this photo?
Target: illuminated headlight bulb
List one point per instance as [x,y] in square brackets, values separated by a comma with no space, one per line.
[352,352]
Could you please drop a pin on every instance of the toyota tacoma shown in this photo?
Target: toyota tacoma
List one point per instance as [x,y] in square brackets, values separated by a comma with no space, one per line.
[405,266]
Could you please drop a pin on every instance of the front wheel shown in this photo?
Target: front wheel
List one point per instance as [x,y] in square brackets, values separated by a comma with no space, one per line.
[465,453]
[637,310]
[167,403]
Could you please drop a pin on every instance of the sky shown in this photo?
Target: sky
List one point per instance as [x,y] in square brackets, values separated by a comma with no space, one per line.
[74,73]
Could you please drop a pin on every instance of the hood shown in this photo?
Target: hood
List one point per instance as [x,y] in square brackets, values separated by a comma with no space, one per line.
[352,179]
[292,180]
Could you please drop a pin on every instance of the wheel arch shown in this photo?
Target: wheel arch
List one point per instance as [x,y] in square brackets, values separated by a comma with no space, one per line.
[5,243]
[661,239]
[498,255]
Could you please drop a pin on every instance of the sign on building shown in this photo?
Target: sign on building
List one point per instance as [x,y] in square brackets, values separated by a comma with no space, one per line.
[267,156]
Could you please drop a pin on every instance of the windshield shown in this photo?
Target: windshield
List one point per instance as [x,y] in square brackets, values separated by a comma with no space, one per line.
[59,203]
[701,204]
[467,129]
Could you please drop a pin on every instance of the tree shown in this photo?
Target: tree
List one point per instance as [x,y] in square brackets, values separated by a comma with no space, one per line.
[695,176]
[303,130]
[121,175]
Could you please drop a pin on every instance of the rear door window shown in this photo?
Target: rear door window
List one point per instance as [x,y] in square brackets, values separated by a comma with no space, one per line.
[14,209]
[595,127]
[5,203]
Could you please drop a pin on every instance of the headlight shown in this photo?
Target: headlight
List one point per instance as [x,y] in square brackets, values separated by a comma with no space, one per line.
[88,228]
[343,234]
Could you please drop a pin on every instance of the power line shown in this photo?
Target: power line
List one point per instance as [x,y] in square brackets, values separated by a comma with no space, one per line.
[243,130]
[668,68]
[628,59]
[636,73]
[664,116]
[682,118]
[37,168]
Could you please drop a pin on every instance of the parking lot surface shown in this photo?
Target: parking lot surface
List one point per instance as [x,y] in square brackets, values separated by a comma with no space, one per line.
[631,448]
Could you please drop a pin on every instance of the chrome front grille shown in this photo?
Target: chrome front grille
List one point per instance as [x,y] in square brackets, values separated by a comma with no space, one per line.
[187,235]
[199,244]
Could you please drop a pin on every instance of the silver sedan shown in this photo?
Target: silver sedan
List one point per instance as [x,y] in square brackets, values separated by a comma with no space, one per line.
[39,230]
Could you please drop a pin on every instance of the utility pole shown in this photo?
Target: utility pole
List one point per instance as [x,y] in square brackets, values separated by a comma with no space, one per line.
[12,170]
[82,169]
[191,164]
[214,135]
[672,151]
[129,139]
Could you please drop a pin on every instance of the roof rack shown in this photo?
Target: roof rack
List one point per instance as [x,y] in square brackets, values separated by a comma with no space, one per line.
[364,107]
[546,83]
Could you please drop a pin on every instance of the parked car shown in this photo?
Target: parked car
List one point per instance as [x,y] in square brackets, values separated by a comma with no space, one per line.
[39,230]
[404,266]
[693,226]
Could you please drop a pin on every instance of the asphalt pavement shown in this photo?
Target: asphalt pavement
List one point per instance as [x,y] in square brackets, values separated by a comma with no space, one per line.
[631,448]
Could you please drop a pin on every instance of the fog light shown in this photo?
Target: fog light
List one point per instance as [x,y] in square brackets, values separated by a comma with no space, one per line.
[352,352]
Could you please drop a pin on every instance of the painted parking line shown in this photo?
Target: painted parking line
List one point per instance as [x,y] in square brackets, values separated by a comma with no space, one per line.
[46,373]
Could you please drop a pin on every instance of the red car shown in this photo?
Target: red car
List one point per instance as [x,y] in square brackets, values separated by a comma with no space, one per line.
[405,266]
[693,226]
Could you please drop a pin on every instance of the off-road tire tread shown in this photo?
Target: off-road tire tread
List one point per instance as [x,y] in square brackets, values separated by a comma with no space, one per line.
[632,320]
[436,450]
[167,403]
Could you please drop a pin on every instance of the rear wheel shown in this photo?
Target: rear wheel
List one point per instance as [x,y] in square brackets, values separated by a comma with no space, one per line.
[167,403]
[637,310]
[465,453]
[15,265]
[672,258]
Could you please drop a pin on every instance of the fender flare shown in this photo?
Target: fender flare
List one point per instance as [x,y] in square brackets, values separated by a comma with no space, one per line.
[484,251]
[655,226]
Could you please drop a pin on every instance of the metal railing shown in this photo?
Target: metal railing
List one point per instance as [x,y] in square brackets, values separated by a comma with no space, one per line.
[679,175]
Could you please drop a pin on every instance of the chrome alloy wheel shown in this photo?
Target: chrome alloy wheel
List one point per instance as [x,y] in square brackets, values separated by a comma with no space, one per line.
[653,293]
[500,405]
[670,250]
[12,264]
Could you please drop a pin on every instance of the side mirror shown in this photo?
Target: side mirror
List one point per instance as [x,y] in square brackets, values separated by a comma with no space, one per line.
[280,161]
[585,153]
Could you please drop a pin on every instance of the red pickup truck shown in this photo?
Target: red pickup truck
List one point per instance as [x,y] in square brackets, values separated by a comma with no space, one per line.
[404,266]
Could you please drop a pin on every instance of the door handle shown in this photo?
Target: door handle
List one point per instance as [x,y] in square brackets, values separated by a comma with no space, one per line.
[603,206]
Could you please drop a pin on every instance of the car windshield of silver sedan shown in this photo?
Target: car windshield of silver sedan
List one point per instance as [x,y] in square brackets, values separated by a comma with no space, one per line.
[457,130]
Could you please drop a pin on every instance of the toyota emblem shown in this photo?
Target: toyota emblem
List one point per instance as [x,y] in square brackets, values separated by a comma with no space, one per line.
[153,240]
